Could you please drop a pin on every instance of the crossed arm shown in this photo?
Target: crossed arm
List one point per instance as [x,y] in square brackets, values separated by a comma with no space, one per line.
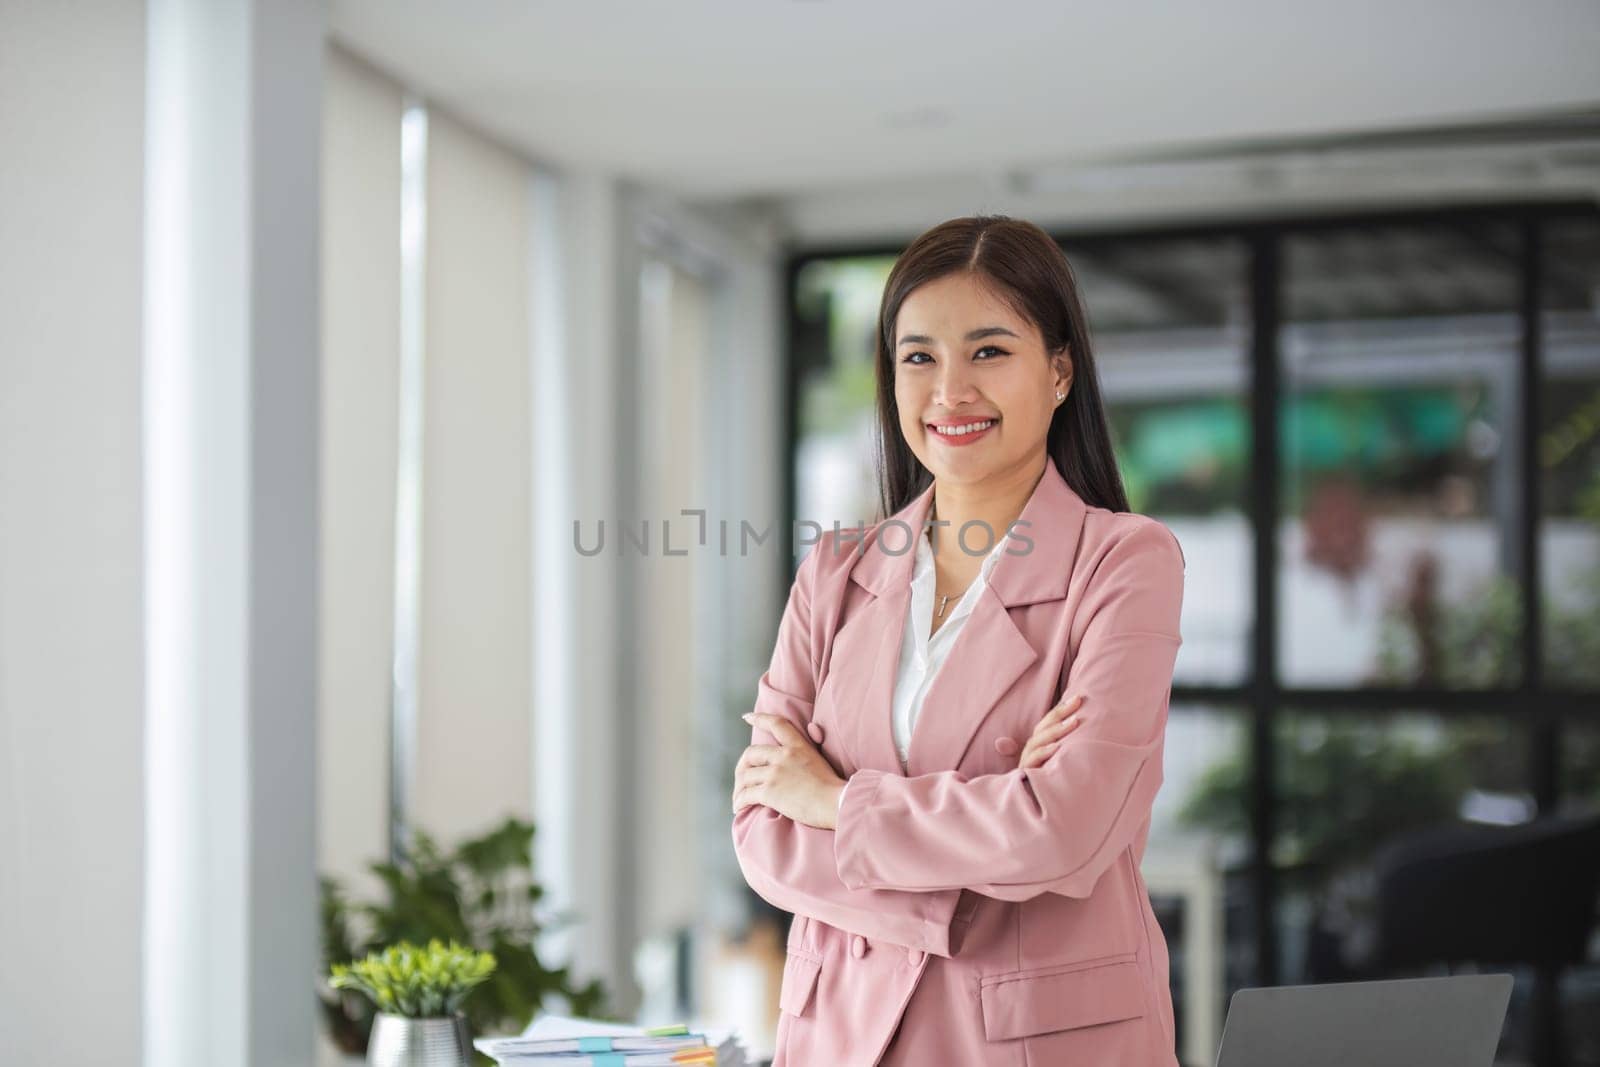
[904,847]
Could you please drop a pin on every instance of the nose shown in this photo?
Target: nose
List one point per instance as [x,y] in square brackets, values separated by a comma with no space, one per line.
[955,385]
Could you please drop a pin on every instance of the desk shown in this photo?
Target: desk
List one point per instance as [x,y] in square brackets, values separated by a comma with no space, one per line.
[1186,867]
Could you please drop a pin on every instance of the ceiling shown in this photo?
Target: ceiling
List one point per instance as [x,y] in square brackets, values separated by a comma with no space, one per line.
[712,99]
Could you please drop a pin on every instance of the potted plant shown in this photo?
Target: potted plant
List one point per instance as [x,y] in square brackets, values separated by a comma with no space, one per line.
[481,893]
[418,994]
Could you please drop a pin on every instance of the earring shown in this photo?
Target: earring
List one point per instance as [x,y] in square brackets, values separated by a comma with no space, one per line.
[1060,397]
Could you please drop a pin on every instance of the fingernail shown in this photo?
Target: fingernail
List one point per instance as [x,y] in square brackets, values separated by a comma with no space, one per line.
[749,717]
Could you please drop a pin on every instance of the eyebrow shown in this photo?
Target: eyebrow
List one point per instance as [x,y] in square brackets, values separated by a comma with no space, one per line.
[976,335]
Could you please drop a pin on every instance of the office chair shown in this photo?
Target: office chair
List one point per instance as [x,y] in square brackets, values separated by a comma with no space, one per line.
[1494,896]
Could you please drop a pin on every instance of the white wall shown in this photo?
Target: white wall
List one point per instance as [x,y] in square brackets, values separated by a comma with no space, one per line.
[71,630]
[473,729]
[740,452]
[360,443]
[674,351]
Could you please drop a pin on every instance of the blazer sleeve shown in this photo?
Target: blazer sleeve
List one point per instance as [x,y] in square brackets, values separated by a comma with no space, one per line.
[1057,827]
[791,865]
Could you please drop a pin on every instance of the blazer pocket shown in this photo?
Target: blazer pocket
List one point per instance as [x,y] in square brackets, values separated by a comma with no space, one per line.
[1021,1003]
[800,972]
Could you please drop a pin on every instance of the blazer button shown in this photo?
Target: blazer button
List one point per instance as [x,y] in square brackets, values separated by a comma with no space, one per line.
[915,956]
[1006,746]
[815,730]
[858,946]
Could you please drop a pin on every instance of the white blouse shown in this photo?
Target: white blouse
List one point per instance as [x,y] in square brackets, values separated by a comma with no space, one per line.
[922,656]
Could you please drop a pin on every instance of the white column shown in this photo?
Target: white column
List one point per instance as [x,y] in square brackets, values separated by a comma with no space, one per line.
[579,795]
[231,421]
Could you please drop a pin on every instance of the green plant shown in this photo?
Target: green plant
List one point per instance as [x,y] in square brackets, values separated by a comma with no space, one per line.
[481,895]
[1346,783]
[1476,642]
[419,983]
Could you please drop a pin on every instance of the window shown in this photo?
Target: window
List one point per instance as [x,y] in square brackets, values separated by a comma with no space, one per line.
[1378,438]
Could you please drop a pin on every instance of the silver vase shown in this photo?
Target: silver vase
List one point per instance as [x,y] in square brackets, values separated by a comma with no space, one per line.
[401,1042]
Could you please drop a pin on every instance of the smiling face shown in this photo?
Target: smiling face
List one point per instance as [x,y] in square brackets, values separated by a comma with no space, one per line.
[974,384]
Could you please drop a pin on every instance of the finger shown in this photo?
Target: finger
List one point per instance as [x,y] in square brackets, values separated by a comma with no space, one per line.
[1046,734]
[1047,726]
[1056,735]
[1040,748]
[759,755]
[1035,755]
[751,769]
[1067,706]
[1055,714]
[779,727]
[1061,711]
[751,793]
[1041,755]
[1058,730]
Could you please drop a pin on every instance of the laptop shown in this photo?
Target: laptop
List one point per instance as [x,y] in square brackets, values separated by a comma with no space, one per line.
[1451,1021]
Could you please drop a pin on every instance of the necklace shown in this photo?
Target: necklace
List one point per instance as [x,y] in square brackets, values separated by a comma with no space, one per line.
[943,600]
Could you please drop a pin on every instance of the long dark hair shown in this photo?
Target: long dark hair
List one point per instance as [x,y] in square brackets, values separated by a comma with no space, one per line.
[1024,264]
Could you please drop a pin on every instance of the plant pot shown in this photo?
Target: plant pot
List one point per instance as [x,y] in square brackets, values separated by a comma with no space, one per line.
[401,1042]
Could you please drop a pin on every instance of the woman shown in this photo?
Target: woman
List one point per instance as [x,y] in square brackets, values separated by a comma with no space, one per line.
[956,747]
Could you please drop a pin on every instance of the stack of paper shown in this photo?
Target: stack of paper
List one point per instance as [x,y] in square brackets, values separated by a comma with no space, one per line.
[560,1041]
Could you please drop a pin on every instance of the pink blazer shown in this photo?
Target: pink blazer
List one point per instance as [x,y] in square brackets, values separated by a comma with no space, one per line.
[970,912]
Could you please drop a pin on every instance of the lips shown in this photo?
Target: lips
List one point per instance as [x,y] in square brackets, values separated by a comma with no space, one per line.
[962,431]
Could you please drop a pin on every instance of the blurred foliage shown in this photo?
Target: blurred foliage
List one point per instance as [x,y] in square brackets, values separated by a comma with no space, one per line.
[1477,643]
[1474,644]
[1345,784]
[481,895]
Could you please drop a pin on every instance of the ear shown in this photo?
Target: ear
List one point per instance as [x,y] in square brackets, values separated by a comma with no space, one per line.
[1061,363]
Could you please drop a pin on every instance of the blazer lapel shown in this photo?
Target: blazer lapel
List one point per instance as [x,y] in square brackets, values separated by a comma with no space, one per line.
[883,567]
[992,652]
[989,655]
[874,678]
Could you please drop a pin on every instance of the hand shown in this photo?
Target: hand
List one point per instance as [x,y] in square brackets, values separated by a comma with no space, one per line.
[1058,722]
[792,777]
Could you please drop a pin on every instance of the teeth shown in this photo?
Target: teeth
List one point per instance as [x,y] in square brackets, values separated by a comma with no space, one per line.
[957,431]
